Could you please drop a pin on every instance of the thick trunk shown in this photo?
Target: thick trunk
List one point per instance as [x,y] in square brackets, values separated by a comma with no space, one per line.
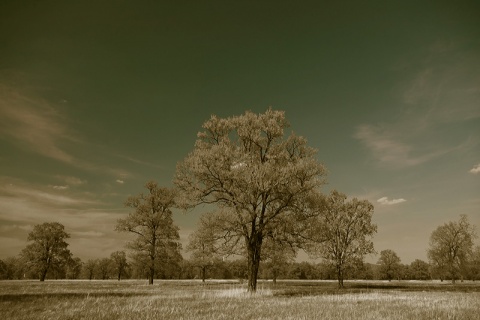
[340,276]
[43,274]
[274,276]
[254,249]
[151,275]
[203,273]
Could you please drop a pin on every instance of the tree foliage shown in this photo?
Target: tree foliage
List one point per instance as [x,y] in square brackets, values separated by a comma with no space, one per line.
[258,176]
[48,250]
[451,246]
[389,264]
[119,263]
[152,223]
[419,270]
[205,243]
[341,232]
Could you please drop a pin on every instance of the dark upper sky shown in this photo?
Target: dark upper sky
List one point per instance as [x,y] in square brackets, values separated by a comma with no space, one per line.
[97,97]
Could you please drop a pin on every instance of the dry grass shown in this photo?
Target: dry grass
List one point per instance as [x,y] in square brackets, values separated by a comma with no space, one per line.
[228,300]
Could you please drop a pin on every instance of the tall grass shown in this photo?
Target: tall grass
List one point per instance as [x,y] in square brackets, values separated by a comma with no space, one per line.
[227,300]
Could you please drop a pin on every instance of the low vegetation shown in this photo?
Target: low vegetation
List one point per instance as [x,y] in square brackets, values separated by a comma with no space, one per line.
[230,300]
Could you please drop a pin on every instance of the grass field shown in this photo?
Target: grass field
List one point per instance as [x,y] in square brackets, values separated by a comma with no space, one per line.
[229,300]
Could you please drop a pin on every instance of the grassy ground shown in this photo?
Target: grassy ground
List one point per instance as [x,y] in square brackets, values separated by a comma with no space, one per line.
[229,300]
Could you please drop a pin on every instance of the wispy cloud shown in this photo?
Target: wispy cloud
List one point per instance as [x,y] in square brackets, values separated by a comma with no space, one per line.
[440,92]
[85,218]
[42,196]
[120,181]
[475,169]
[33,124]
[72,181]
[60,187]
[387,146]
[385,201]
[36,125]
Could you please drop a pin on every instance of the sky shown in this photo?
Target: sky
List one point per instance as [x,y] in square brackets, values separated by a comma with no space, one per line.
[99,97]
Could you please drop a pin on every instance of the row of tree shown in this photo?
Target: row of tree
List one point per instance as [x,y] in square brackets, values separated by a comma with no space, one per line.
[119,266]
[265,186]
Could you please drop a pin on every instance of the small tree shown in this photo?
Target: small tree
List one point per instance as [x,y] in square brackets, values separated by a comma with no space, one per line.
[152,223]
[74,268]
[341,232]
[204,244]
[419,270]
[451,245]
[277,254]
[475,264]
[257,176]
[104,268]
[89,268]
[119,263]
[389,264]
[48,250]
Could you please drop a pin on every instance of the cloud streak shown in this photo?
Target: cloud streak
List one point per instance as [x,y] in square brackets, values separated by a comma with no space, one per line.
[34,124]
[440,93]
[475,169]
[385,201]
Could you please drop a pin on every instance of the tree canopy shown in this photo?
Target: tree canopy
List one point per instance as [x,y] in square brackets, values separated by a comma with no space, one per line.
[389,264]
[341,231]
[152,223]
[451,245]
[48,250]
[257,175]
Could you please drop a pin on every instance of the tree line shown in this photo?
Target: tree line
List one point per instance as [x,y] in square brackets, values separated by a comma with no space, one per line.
[265,185]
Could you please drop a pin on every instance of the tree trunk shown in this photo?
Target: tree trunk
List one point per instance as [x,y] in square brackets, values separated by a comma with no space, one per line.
[43,274]
[274,276]
[254,245]
[203,273]
[340,276]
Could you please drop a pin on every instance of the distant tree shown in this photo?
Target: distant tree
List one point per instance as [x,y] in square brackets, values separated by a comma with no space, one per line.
[257,176]
[119,263]
[389,264]
[90,268]
[11,268]
[3,270]
[451,245]
[74,268]
[104,268]
[278,252]
[419,270]
[169,261]
[474,269]
[341,232]
[152,223]
[48,250]
[204,244]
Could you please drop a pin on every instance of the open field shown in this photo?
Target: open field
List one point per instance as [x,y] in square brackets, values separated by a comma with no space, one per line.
[228,300]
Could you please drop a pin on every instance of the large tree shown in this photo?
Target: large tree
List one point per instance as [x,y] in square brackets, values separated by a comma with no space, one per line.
[389,264]
[341,231]
[451,245]
[255,173]
[152,223]
[48,250]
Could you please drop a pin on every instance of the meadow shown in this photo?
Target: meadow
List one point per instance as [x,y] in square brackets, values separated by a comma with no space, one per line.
[190,299]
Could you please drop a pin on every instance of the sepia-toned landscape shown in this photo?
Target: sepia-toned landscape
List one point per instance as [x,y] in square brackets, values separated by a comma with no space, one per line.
[239,159]
[229,300]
